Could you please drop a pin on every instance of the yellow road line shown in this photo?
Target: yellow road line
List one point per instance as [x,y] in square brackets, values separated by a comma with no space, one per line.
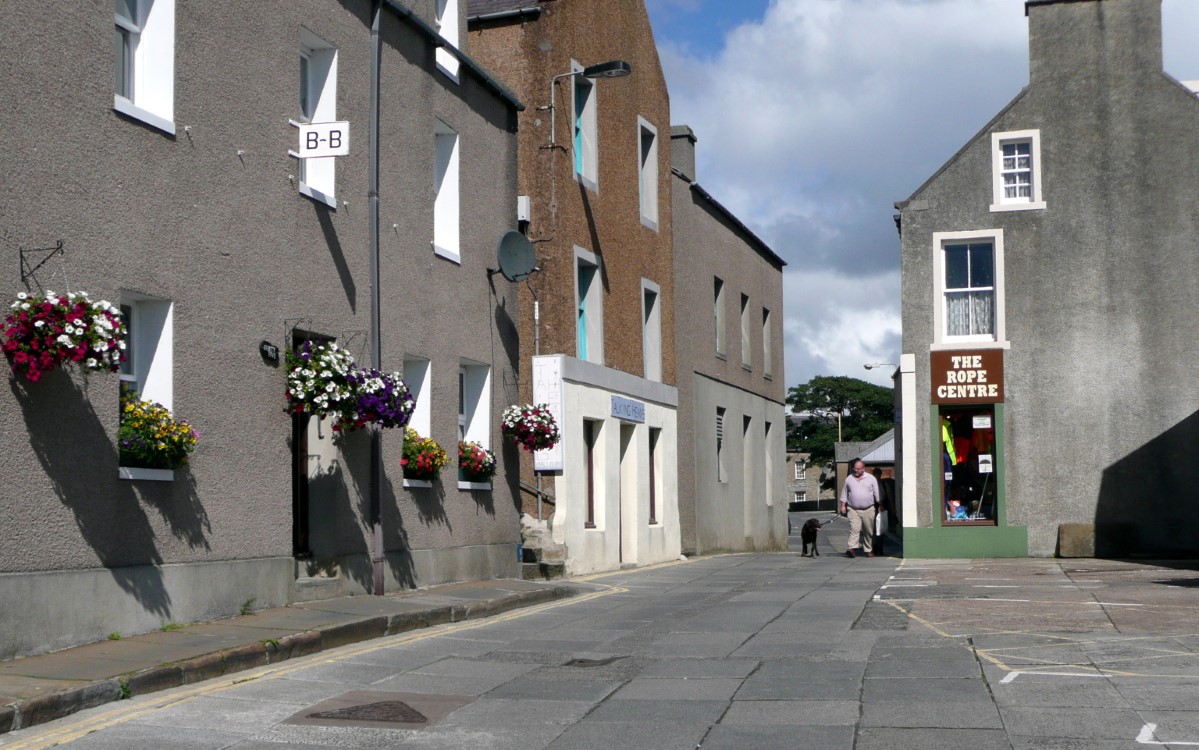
[71,730]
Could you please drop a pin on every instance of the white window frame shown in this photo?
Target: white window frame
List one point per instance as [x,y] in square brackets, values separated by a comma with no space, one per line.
[318,177]
[593,304]
[768,457]
[801,469]
[722,475]
[446,193]
[801,496]
[474,402]
[446,20]
[942,341]
[718,315]
[1000,201]
[651,329]
[647,172]
[418,376]
[767,349]
[584,138]
[747,355]
[150,94]
[150,347]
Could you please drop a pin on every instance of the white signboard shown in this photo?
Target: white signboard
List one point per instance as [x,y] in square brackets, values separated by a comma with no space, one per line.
[547,389]
[985,464]
[982,422]
[321,139]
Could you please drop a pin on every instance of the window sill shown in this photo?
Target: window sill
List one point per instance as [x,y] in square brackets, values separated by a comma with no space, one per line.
[649,223]
[447,64]
[146,475]
[1030,206]
[722,356]
[129,109]
[767,376]
[589,527]
[318,196]
[944,346]
[450,255]
[587,182]
[746,367]
[484,486]
[418,483]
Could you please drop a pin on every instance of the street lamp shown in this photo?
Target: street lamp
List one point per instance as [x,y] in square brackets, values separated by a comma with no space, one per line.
[828,413]
[873,365]
[610,69]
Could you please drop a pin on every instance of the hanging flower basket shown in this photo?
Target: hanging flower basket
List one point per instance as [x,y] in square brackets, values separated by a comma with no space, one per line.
[531,427]
[149,437]
[324,380]
[475,463]
[43,331]
[423,457]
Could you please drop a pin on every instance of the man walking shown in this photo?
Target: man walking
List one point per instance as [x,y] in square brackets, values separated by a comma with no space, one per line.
[859,501]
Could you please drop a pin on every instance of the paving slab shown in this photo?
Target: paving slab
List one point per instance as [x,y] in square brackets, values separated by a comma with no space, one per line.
[794,713]
[934,739]
[728,737]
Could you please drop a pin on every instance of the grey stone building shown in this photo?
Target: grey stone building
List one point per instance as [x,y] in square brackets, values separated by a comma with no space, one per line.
[173,194]
[729,344]
[1049,267]
[595,329]
[803,484]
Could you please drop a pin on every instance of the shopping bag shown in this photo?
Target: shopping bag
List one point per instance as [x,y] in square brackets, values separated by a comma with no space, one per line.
[880,523]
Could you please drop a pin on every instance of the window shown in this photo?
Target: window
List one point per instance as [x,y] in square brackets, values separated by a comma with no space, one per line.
[651,330]
[445,193]
[718,313]
[801,469]
[474,404]
[655,473]
[721,475]
[968,273]
[746,352]
[1016,170]
[586,149]
[145,62]
[968,487]
[590,434]
[418,378]
[149,366]
[318,103]
[801,497]
[647,173]
[767,349]
[589,307]
[768,473]
[446,23]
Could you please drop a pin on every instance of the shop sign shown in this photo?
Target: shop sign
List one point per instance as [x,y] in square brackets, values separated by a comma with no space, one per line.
[986,464]
[548,390]
[967,377]
[627,410]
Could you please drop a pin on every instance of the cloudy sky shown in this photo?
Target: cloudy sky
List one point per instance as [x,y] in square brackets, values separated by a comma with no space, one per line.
[815,116]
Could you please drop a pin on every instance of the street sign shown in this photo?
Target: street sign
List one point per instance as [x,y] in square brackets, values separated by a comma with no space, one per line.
[321,139]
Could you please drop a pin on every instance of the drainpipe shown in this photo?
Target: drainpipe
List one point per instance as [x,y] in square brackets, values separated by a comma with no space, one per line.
[376,472]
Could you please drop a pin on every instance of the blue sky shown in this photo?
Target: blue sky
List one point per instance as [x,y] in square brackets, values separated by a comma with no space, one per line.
[815,116]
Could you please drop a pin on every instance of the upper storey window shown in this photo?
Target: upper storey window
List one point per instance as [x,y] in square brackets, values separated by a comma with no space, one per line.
[1016,170]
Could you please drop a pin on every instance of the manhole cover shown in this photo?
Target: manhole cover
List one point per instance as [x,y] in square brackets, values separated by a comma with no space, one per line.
[592,662]
[393,711]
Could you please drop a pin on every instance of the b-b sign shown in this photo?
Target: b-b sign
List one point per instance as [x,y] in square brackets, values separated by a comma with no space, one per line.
[321,139]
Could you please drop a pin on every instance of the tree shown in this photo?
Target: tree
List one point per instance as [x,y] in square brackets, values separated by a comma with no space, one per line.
[866,410]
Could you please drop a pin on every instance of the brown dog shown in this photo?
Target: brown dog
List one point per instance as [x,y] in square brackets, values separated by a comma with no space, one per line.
[808,534]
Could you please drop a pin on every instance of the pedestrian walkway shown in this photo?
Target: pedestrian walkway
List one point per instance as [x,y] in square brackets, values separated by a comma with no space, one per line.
[37,689]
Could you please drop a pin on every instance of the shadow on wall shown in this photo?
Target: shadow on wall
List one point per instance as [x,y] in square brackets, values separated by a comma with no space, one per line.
[356,452]
[1147,500]
[59,419]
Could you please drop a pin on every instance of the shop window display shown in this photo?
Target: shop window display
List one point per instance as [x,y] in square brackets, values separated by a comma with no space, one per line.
[968,486]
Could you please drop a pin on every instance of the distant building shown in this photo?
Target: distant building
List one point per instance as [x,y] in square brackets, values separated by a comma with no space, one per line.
[804,482]
[1049,396]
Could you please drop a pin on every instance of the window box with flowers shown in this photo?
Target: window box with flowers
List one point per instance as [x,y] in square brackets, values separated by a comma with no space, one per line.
[532,427]
[151,442]
[43,331]
[423,459]
[476,466]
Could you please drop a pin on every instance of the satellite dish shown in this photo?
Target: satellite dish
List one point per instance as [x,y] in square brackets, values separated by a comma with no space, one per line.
[516,257]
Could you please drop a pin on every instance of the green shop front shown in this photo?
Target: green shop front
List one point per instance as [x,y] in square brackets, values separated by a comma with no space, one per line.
[965,460]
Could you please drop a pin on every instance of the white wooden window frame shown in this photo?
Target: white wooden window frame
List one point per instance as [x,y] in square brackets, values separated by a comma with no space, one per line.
[318,177]
[747,356]
[474,403]
[767,349]
[447,18]
[801,470]
[594,321]
[150,97]
[718,315]
[418,376]
[446,193]
[647,172]
[651,329]
[586,123]
[999,200]
[943,341]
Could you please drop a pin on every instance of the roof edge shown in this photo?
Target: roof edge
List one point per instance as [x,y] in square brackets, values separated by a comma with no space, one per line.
[754,239]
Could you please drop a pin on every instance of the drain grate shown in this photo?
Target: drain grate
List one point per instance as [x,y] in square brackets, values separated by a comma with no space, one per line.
[593,662]
[396,712]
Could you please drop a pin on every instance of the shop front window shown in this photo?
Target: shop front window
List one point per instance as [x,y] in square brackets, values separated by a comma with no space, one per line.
[968,456]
